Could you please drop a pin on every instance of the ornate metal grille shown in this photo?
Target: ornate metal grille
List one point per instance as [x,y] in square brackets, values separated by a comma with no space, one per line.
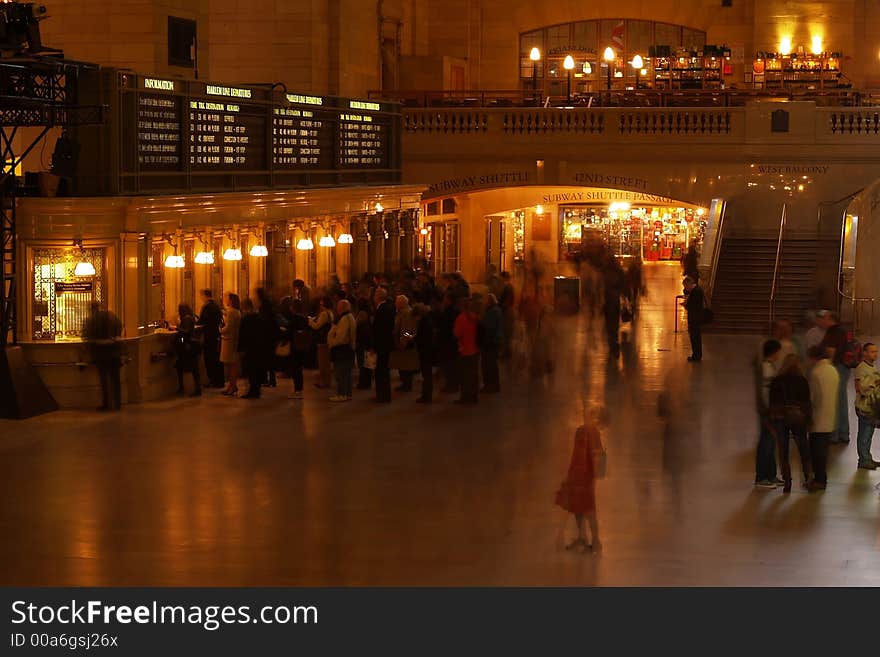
[61,299]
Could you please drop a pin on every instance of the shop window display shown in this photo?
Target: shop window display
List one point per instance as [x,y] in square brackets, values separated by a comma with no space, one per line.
[650,233]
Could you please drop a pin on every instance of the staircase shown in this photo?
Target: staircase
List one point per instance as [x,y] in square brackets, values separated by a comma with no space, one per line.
[807,280]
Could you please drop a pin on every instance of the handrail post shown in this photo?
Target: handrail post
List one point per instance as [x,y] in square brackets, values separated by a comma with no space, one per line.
[776,266]
[716,250]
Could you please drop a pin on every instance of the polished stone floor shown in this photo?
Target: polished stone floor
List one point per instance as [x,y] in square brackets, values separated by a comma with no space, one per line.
[275,492]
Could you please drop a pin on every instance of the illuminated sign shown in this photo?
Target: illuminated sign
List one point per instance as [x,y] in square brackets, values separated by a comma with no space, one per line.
[162,85]
[214,90]
[361,105]
[304,100]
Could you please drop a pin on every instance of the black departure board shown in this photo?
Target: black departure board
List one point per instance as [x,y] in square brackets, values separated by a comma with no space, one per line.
[187,134]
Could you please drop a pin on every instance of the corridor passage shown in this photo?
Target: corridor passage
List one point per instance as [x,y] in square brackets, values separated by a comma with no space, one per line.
[220,491]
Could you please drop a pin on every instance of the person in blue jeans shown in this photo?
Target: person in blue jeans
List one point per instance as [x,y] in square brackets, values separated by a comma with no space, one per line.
[867,383]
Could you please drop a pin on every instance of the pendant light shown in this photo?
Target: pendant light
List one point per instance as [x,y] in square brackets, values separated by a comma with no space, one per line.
[83,267]
[175,262]
[305,244]
[204,258]
[259,249]
[327,240]
[345,238]
[232,254]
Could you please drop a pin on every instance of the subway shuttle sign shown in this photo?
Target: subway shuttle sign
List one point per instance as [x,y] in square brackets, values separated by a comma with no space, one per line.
[466,183]
[605,195]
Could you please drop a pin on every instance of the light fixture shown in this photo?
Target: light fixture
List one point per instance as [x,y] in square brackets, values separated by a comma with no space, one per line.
[259,251]
[174,262]
[379,207]
[204,258]
[588,69]
[539,209]
[568,63]
[326,240]
[345,238]
[305,244]
[423,231]
[638,62]
[816,44]
[785,46]
[609,55]
[700,212]
[83,267]
[232,254]
[535,55]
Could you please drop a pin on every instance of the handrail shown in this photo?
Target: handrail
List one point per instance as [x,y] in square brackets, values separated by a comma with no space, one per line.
[716,250]
[776,266]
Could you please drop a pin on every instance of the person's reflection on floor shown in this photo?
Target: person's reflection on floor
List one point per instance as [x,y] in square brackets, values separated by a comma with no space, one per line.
[577,495]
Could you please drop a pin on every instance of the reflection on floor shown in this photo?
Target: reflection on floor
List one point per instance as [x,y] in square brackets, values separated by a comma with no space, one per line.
[234,492]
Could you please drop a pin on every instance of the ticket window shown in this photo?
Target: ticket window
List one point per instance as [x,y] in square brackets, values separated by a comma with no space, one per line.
[61,298]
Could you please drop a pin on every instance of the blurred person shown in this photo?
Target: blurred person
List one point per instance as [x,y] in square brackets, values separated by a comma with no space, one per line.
[816,332]
[101,331]
[425,347]
[695,304]
[405,354]
[252,349]
[613,289]
[229,342]
[447,345]
[867,384]
[303,294]
[765,459]
[690,262]
[342,341]
[320,326]
[823,380]
[493,280]
[635,284]
[465,329]
[791,406]
[383,343]
[364,343]
[300,336]
[577,494]
[210,321]
[493,330]
[272,333]
[187,349]
[835,343]
[507,302]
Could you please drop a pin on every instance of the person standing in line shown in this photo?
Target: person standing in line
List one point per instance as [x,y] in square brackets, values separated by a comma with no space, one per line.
[251,349]
[187,348]
[791,406]
[447,346]
[405,328]
[342,341]
[364,343]
[272,333]
[425,347]
[867,394]
[101,331]
[383,344]
[577,495]
[695,304]
[493,331]
[229,342]
[465,329]
[210,322]
[303,294]
[834,343]
[765,459]
[320,325]
[823,381]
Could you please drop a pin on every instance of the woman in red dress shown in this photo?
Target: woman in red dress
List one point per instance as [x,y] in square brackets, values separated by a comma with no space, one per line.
[577,495]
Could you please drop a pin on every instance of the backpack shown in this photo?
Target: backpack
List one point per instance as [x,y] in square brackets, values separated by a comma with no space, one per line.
[851,355]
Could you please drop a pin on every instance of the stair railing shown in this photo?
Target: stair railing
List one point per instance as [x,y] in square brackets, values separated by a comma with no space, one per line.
[716,251]
[776,266]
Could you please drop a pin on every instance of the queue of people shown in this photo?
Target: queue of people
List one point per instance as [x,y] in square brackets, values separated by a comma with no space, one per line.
[802,394]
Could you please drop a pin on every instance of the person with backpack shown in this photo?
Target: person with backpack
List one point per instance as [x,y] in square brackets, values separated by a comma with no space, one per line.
[466,327]
[867,380]
[792,409]
[842,353]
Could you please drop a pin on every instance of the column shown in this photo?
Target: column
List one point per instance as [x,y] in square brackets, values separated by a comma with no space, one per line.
[409,227]
[359,248]
[392,242]
[129,288]
[376,246]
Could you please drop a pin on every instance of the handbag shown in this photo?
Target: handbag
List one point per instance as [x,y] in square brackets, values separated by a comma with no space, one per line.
[282,349]
[792,414]
[405,360]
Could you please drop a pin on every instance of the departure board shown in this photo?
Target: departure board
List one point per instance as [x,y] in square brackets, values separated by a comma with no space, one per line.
[187,134]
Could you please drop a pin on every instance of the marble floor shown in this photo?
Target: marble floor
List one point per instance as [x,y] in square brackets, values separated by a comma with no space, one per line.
[217,491]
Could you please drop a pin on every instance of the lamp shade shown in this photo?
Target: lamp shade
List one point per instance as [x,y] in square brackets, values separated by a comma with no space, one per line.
[379,207]
[535,55]
[609,55]
[568,63]
[259,251]
[345,238]
[638,62]
[204,258]
[232,254]
[327,240]
[174,262]
[84,269]
[305,244]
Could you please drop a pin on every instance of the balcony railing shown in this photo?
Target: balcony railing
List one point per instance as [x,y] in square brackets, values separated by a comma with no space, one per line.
[493,99]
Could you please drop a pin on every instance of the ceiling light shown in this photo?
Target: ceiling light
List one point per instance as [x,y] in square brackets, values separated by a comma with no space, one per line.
[379,207]
[259,251]
[84,268]
[423,231]
[305,244]
[174,262]
[327,240]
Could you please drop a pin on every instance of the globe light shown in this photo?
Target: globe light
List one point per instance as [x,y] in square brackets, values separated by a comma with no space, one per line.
[204,258]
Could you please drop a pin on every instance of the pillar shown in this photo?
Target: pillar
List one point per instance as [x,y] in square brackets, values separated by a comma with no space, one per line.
[376,246]
[409,228]
[130,285]
[360,247]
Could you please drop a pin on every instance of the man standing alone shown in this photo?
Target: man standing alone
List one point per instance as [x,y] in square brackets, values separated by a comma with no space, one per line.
[824,381]
[867,385]
[102,330]
[210,321]
[695,304]
[834,344]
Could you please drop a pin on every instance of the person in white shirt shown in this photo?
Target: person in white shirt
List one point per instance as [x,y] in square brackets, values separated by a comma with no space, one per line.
[342,340]
[824,380]
[867,384]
